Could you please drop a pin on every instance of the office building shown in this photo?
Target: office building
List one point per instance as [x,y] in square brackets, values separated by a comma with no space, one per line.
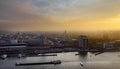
[83,41]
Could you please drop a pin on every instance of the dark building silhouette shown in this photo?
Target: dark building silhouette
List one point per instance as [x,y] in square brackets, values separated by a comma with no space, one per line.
[83,41]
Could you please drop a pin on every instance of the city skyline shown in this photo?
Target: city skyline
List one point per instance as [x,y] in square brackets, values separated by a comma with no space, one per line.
[53,15]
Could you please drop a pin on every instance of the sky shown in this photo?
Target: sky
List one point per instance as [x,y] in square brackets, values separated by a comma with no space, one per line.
[59,15]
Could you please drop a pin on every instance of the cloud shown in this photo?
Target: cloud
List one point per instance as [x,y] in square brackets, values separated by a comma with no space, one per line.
[50,14]
[21,14]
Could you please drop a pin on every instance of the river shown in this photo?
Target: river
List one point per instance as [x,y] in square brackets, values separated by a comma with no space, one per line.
[107,60]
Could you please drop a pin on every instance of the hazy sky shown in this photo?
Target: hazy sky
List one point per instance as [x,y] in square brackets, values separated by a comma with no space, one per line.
[74,15]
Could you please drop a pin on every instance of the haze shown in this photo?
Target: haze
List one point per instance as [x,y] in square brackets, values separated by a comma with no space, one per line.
[59,15]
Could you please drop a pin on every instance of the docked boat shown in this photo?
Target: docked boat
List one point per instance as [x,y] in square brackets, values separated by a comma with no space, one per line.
[47,54]
[40,63]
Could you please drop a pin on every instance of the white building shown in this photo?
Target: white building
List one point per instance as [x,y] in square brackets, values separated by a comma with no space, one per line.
[14,41]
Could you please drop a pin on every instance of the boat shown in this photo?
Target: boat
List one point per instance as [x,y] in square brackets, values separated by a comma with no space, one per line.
[56,62]
[81,64]
[4,56]
[47,54]
[39,63]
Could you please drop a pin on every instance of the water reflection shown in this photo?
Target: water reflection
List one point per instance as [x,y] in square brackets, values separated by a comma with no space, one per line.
[108,60]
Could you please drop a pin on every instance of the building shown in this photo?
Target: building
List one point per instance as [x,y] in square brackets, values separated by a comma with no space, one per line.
[42,40]
[108,45]
[83,41]
[117,44]
[97,45]
[14,41]
[12,48]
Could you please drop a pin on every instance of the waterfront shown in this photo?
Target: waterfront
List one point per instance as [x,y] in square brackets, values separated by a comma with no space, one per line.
[107,60]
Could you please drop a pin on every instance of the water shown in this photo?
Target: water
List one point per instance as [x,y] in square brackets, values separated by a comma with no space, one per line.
[108,60]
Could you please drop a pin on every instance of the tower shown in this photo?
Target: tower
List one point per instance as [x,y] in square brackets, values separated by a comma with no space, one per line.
[83,41]
[42,40]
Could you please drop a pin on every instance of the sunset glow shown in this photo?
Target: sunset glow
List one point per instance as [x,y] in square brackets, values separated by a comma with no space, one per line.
[53,15]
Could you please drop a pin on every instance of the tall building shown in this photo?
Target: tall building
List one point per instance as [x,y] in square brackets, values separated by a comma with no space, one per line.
[42,40]
[83,41]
